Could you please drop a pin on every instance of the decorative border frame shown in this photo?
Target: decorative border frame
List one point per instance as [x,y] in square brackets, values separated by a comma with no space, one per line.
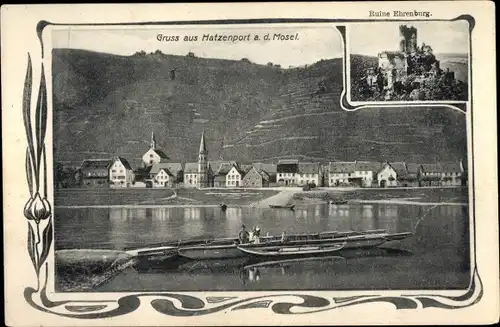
[38,212]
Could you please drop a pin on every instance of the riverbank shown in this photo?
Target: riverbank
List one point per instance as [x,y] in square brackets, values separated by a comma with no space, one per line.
[85,269]
[147,197]
[427,196]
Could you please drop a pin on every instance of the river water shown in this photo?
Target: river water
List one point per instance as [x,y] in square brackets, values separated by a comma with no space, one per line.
[436,257]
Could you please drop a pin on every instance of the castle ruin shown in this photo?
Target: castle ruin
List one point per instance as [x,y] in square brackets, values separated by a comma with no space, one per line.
[394,67]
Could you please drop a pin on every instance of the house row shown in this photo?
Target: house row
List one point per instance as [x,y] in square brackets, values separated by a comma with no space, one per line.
[376,174]
[159,171]
[106,173]
[119,173]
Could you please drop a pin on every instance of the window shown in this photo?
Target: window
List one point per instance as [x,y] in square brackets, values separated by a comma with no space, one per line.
[151,155]
[113,171]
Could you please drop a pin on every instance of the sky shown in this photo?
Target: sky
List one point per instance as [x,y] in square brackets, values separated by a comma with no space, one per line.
[314,42]
[443,37]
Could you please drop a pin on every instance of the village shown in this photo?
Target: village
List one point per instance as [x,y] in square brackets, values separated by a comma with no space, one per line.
[159,171]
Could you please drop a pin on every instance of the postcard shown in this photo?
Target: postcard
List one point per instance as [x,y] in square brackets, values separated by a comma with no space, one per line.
[250,164]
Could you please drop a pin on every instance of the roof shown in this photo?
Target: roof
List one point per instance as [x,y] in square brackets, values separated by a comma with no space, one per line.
[412,168]
[341,167]
[451,167]
[264,175]
[308,168]
[246,167]
[367,166]
[399,168]
[215,164]
[288,162]
[203,147]
[431,168]
[96,164]
[224,168]
[238,169]
[167,171]
[190,167]
[268,168]
[392,54]
[172,167]
[161,154]
[125,163]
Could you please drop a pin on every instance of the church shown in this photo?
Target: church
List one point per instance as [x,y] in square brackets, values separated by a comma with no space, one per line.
[199,174]
[153,155]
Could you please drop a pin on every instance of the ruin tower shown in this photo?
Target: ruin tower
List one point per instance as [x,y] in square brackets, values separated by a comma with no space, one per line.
[202,163]
[408,43]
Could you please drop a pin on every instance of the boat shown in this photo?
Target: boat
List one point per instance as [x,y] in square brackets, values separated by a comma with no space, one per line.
[291,251]
[338,202]
[286,206]
[229,247]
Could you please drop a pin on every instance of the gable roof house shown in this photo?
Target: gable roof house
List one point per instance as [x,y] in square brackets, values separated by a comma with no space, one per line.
[121,173]
[255,178]
[339,172]
[172,169]
[309,173]
[452,173]
[270,169]
[190,174]
[366,171]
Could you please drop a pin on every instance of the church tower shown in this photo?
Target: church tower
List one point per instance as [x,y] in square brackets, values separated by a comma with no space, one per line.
[203,163]
[152,145]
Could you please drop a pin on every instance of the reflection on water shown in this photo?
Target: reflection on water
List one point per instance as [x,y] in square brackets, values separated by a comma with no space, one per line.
[439,249]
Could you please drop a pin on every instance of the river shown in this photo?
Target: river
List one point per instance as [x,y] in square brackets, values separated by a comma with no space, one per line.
[436,257]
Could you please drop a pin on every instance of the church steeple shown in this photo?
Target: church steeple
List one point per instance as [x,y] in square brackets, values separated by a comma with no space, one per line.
[203,179]
[203,147]
[152,145]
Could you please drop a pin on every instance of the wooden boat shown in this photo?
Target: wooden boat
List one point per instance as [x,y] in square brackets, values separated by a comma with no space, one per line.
[286,206]
[338,202]
[291,251]
[228,248]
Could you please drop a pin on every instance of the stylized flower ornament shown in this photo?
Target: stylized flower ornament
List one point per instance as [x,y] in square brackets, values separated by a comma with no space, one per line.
[37,209]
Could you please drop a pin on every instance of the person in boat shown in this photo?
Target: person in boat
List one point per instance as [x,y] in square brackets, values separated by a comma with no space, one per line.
[283,237]
[255,235]
[243,235]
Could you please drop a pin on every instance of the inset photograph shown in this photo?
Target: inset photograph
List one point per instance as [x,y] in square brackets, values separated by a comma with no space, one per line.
[394,61]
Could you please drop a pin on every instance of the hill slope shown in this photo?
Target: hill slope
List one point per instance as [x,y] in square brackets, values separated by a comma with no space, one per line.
[107,105]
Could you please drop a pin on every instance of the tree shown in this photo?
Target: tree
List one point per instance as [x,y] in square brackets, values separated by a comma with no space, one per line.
[191,54]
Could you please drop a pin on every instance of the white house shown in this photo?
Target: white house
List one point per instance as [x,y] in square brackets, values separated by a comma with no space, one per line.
[309,173]
[452,173]
[191,174]
[121,173]
[164,178]
[339,172]
[287,171]
[165,174]
[387,176]
[366,172]
[234,177]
